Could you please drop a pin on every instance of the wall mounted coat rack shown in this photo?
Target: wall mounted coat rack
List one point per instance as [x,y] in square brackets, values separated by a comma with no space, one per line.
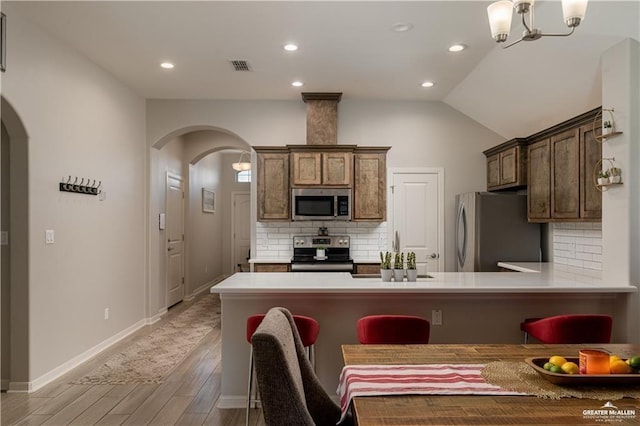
[88,187]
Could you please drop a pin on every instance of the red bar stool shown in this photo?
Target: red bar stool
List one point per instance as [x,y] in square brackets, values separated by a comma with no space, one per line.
[393,329]
[308,328]
[568,329]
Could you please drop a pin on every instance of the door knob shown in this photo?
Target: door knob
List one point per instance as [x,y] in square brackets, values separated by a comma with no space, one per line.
[434,255]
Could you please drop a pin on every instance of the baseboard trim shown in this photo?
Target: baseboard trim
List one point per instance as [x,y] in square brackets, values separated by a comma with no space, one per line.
[206,287]
[19,387]
[74,362]
[4,384]
[157,317]
[232,401]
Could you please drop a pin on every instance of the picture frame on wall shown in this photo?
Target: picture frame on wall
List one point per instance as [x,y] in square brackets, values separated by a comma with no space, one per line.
[208,200]
[3,42]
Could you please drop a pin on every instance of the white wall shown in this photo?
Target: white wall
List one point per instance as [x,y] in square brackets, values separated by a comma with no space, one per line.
[204,239]
[422,134]
[621,204]
[81,122]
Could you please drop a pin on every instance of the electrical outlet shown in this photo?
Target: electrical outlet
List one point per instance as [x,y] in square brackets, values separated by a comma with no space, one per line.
[436,317]
[106,313]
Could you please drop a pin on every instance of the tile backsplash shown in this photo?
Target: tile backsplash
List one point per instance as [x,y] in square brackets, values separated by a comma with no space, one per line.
[275,240]
[578,244]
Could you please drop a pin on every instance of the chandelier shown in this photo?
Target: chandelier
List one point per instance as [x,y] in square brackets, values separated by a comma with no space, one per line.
[500,14]
[242,165]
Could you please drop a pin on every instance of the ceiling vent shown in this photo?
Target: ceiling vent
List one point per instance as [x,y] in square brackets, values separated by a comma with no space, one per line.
[240,65]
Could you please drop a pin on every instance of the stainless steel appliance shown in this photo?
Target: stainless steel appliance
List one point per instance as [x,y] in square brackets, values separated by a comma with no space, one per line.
[337,257]
[491,228]
[321,204]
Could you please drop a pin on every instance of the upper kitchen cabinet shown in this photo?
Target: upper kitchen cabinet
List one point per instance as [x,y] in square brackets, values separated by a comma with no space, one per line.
[326,166]
[370,184]
[539,191]
[561,162]
[273,183]
[507,165]
[590,154]
[565,175]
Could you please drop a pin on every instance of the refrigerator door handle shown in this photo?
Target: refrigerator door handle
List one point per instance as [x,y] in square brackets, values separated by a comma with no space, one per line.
[462,227]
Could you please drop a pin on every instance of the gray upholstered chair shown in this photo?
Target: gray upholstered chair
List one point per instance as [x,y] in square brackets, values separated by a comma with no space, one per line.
[290,392]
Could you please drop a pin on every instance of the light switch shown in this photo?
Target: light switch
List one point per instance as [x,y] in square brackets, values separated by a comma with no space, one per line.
[161,221]
[48,236]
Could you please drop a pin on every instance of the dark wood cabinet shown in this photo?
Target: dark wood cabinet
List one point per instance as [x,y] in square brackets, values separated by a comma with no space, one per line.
[369,202]
[272,180]
[565,175]
[271,267]
[561,168]
[590,154]
[326,166]
[507,165]
[539,191]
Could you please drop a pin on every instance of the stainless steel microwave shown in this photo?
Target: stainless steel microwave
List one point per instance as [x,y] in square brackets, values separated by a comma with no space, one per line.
[321,204]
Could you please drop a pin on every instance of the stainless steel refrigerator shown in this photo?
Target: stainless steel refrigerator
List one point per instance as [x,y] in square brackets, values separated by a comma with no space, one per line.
[493,227]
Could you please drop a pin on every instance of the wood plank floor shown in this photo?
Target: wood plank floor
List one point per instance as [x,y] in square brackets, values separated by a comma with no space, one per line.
[187,396]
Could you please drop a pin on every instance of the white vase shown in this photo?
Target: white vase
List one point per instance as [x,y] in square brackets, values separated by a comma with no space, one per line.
[412,274]
[606,130]
[320,254]
[603,181]
[385,274]
[615,179]
[398,275]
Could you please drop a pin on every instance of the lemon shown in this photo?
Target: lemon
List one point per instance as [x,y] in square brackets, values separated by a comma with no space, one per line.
[614,358]
[571,367]
[559,360]
[620,367]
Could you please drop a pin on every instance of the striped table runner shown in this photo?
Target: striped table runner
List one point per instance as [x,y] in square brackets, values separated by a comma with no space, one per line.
[427,379]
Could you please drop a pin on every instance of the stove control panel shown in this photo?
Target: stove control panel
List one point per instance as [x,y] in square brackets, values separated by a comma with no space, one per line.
[313,241]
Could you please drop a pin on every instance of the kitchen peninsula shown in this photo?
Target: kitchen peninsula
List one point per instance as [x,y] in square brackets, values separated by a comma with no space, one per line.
[485,307]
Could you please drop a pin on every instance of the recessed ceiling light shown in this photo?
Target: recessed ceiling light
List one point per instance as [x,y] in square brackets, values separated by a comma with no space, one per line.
[401,27]
[428,84]
[297,83]
[457,48]
[167,65]
[291,47]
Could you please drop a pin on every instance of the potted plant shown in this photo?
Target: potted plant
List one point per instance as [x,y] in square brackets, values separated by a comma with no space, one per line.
[614,175]
[607,127]
[320,252]
[412,271]
[398,267]
[603,177]
[385,266]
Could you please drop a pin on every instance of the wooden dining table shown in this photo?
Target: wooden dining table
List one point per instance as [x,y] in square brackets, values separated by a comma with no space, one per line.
[475,409]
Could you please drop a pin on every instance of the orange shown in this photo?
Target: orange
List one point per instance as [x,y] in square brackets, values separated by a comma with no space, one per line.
[570,368]
[620,367]
[557,360]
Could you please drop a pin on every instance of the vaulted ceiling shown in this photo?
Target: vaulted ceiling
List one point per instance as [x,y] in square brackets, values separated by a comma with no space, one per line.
[347,47]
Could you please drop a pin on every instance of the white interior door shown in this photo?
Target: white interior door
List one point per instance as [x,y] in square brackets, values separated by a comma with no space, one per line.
[240,216]
[416,220]
[175,239]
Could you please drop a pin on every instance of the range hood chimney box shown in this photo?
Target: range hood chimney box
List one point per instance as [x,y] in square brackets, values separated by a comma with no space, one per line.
[322,117]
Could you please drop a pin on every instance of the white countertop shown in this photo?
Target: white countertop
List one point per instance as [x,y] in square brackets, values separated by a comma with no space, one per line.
[548,279]
[281,260]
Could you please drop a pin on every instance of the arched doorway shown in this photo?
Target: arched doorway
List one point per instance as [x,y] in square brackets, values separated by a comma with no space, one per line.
[15,253]
[182,153]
